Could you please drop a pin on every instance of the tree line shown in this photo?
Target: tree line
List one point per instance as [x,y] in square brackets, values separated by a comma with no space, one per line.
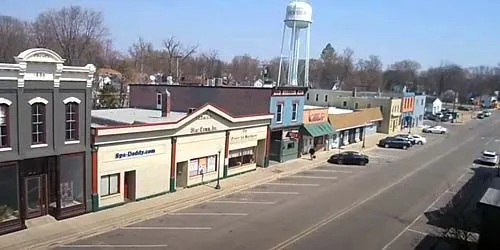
[80,36]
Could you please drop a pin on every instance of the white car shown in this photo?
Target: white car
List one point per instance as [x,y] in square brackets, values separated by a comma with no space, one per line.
[419,139]
[489,157]
[435,130]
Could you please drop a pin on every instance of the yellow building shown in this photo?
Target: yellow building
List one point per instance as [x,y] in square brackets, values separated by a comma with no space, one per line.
[143,153]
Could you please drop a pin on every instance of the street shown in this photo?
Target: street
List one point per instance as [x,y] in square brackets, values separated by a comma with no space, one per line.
[379,206]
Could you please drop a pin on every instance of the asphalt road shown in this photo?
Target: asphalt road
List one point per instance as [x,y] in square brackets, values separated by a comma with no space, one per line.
[330,207]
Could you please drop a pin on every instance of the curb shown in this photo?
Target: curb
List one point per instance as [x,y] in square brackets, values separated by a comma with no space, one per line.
[160,209]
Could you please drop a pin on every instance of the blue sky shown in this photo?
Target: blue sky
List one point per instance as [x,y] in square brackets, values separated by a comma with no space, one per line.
[429,31]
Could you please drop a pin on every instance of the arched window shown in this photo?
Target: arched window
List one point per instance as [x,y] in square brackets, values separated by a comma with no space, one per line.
[38,123]
[4,124]
[71,121]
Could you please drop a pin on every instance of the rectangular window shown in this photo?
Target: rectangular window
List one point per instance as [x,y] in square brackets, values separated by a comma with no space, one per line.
[326,98]
[4,126]
[202,165]
[295,107]
[317,97]
[344,104]
[279,113]
[38,129]
[9,193]
[110,184]
[158,99]
[241,157]
[369,105]
[71,121]
[356,105]
[307,96]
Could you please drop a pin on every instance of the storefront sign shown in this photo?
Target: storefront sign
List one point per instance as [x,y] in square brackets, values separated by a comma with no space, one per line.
[243,138]
[202,129]
[136,153]
[316,117]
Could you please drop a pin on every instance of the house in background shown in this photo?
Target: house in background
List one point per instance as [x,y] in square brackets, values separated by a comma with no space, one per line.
[433,105]
[419,110]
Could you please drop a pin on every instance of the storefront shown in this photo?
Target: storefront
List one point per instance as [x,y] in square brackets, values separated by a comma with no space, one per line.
[354,127]
[317,132]
[135,162]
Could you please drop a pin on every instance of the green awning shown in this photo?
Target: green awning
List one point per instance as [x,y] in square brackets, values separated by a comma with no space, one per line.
[319,129]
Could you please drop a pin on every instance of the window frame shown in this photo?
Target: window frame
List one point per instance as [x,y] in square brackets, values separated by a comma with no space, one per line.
[295,113]
[159,99]
[326,97]
[75,121]
[5,104]
[279,112]
[118,189]
[40,123]
[317,97]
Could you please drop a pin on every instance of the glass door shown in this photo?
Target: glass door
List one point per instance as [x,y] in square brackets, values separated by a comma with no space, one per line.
[33,196]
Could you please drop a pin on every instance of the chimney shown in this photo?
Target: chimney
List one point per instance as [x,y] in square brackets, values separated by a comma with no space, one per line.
[191,110]
[354,92]
[167,104]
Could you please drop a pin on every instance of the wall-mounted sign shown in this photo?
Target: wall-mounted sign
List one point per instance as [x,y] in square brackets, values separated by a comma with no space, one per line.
[316,117]
[243,138]
[204,117]
[202,129]
[135,153]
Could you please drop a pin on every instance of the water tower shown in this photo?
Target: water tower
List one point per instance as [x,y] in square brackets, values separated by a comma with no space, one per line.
[298,21]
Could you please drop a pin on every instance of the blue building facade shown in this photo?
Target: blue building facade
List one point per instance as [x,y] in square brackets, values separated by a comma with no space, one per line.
[287,105]
[407,108]
[419,110]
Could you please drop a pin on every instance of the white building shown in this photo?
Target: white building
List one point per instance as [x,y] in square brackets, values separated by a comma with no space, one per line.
[433,105]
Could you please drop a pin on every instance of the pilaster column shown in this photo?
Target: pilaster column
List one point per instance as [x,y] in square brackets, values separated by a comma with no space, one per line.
[173,164]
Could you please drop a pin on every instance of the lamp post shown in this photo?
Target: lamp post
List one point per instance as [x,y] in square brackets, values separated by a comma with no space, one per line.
[217,186]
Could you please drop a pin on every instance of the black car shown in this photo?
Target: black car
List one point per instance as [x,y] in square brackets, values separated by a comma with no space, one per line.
[349,157]
[394,142]
[462,108]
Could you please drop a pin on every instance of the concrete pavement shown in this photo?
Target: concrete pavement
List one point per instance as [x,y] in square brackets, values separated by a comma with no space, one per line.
[338,207]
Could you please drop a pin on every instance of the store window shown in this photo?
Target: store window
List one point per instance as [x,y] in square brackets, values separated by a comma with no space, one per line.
[307,96]
[38,126]
[279,113]
[71,121]
[71,187]
[110,184]
[241,157]
[344,104]
[202,165]
[4,126]
[295,107]
[158,98]
[9,193]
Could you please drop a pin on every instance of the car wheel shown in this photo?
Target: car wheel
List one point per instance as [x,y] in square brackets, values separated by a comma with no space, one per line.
[386,145]
[442,132]
[363,163]
[420,143]
[340,162]
[405,147]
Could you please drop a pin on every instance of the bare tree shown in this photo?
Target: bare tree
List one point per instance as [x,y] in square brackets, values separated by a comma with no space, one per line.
[14,37]
[177,52]
[70,31]
[245,69]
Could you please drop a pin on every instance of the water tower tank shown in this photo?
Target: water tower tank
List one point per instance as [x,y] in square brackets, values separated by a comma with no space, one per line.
[298,14]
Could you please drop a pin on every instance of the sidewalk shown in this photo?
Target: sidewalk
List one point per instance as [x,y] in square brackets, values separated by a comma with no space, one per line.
[87,225]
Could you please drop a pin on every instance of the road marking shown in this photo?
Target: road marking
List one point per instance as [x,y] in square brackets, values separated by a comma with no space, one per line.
[166,228]
[418,232]
[432,209]
[358,203]
[312,177]
[330,170]
[268,192]
[113,246]
[420,216]
[243,202]
[291,184]
[208,214]
[450,192]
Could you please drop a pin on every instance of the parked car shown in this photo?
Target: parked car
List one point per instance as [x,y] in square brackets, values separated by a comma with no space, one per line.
[394,142]
[349,157]
[420,140]
[489,157]
[435,130]
[487,113]
[481,116]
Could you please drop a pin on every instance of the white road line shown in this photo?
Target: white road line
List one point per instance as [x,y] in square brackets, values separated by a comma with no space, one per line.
[418,232]
[208,214]
[291,184]
[420,216]
[450,192]
[312,177]
[267,192]
[244,202]
[166,228]
[330,170]
[113,246]
[360,202]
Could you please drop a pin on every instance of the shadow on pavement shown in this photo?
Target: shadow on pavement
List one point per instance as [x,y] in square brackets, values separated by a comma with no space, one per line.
[459,220]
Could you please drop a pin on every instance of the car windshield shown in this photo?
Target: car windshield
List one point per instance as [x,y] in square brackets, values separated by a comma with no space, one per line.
[489,154]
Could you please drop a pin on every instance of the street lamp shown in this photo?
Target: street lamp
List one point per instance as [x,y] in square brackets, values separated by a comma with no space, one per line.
[218,172]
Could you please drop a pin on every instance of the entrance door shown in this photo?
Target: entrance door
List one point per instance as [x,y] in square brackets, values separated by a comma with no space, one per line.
[34,196]
[129,186]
